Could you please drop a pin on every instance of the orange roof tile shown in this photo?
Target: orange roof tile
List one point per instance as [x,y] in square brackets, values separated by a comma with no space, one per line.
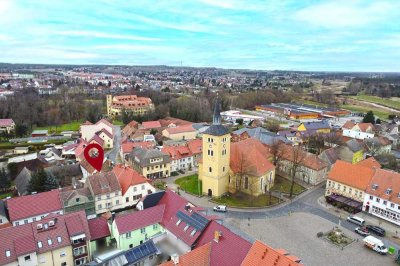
[262,254]
[385,179]
[127,177]
[250,155]
[195,146]
[180,129]
[306,159]
[177,152]
[370,163]
[354,175]
[197,257]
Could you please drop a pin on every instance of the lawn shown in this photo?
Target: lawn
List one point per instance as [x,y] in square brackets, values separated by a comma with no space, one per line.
[190,184]
[382,101]
[242,200]
[117,122]
[361,109]
[282,184]
[73,126]
[5,195]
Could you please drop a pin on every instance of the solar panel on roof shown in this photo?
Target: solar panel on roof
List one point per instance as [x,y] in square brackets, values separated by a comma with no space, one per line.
[140,252]
[197,221]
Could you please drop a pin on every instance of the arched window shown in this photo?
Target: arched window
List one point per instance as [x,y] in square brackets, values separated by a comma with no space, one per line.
[246,182]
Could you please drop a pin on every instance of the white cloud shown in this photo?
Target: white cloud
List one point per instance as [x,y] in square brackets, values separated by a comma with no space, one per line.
[96,34]
[342,14]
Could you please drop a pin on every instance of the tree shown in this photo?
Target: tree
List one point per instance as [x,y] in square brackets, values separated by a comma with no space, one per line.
[37,182]
[12,169]
[272,125]
[297,157]
[5,182]
[276,150]
[239,121]
[369,118]
[21,130]
[153,131]
[378,121]
[50,183]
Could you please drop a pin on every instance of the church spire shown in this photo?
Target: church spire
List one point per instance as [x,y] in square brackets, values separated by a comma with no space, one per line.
[217,112]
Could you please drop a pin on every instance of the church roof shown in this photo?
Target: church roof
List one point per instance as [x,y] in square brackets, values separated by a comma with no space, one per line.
[216,130]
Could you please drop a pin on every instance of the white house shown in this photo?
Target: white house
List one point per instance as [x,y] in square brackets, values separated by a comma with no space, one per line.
[181,157]
[134,186]
[7,125]
[358,130]
[103,129]
[382,197]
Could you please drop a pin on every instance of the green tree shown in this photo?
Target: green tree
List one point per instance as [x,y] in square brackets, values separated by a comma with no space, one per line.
[369,117]
[12,169]
[239,121]
[50,183]
[5,182]
[37,182]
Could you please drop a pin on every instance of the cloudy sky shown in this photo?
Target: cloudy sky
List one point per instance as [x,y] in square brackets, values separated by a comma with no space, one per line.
[351,35]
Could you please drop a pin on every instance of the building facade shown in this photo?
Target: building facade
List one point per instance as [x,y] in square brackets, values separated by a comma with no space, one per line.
[128,103]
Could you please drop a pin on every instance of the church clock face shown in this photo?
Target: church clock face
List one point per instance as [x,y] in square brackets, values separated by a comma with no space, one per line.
[210,146]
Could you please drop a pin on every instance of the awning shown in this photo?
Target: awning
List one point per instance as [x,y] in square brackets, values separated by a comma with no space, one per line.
[345,200]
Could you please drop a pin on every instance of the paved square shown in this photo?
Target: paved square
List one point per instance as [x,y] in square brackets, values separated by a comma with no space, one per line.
[298,235]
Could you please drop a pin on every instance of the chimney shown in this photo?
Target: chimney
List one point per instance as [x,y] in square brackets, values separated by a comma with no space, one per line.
[217,236]
[112,216]
[175,259]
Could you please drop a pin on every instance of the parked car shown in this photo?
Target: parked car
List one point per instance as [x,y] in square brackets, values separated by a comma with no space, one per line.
[356,220]
[361,231]
[220,208]
[376,230]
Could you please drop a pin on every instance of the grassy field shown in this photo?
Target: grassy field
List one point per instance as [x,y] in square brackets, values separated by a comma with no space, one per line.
[243,200]
[282,184]
[190,184]
[73,126]
[5,195]
[382,101]
[361,109]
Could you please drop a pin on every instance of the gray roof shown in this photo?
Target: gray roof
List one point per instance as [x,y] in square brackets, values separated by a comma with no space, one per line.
[22,181]
[197,126]
[315,125]
[64,173]
[262,135]
[144,156]
[353,145]
[216,130]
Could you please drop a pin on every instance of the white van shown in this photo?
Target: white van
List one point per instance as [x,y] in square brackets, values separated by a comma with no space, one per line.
[356,220]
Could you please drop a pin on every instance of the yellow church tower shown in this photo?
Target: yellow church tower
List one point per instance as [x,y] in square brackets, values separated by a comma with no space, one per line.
[214,168]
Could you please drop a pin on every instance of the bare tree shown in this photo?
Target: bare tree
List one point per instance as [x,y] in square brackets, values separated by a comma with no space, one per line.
[276,150]
[297,157]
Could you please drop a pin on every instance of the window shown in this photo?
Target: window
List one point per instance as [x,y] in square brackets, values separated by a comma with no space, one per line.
[178,222]
[128,235]
[223,169]
[246,182]
[109,204]
[193,232]
[79,251]
[384,202]
[210,169]
[116,202]
[350,190]
[8,253]
[388,191]
[33,219]
[62,254]
[371,197]
[155,226]
[27,258]
[39,244]
[25,221]
[134,189]
[391,205]
[80,261]
[344,188]
[99,206]
[63,264]
[378,200]
[142,230]
[99,197]
[77,200]
[142,187]
[49,242]
[130,245]
[59,239]
[374,186]
[186,228]
[116,193]
[108,196]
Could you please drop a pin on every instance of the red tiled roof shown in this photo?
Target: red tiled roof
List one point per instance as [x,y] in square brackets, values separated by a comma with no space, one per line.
[105,131]
[80,148]
[385,179]
[98,228]
[370,163]
[306,159]
[133,221]
[8,236]
[128,177]
[197,257]
[180,129]
[252,156]
[151,124]
[127,147]
[97,139]
[172,120]
[354,175]
[103,183]
[262,254]
[177,152]
[348,125]
[133,123]
[24,245]
[104,121]
[6,122]
[231,249]
[173,202]
[195,146]
[34,205]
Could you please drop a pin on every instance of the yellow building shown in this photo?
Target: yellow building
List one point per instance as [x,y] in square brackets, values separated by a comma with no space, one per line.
[319,127]
[214,167]
[129,103]
[151,163]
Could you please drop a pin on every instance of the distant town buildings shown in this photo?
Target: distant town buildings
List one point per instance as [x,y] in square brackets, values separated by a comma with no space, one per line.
[129,103]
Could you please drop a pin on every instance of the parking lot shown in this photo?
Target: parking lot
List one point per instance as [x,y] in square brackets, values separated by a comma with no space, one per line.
[297,232]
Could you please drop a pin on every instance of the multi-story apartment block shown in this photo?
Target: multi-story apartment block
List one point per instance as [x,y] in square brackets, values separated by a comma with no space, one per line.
[129,103]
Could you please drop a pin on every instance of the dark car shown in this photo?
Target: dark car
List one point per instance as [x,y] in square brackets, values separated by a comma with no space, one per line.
[376,230]
[361,231]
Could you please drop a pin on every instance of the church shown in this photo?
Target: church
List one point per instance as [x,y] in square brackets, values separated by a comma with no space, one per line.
[243,166]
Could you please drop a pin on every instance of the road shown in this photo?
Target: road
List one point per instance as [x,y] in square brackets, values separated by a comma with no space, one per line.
[113,153]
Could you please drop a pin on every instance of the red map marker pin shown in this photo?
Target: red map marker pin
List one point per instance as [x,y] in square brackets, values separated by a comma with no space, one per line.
[97,160]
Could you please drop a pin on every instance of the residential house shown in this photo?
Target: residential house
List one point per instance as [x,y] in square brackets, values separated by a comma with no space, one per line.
[103,129]
[100,236]
[262,254]
[180,156]
[66,174]
[31,208]
[290,135]
[4,222]
[131,103]
[184,132]
[250,168]
[55,240]
[195,146]
[21,150]
[51,154]
[40,133]
[358,130]
[318,127]
[149,125]
[130,129]
[351,151]
[311,169]
[76,199]
[133,229]
[134,186]
[151,163]
[264,136]
[7,125]
[128,147]
[22,181]
[32,161]
[382,196]
[346,184]
[329,156]
[199,257]
[106,191]
[378,145]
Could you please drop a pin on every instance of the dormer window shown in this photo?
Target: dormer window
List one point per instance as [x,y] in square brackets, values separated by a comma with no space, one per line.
[186,228]
[178,222]
[49,242]
[193,232]
[39,244]
[59,239]
[8,253]
[388,191]
[374,186]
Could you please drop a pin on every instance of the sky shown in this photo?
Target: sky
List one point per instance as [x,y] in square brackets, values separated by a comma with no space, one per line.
[309,35]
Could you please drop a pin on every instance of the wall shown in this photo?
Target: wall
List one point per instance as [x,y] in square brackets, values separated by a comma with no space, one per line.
[385,210]
[104,200]
[357,134]
[37,218]
[56,257]
[344,190]
[32,262]
[180,136]
[131,193]
[256,185]
[147,170]
[136,236]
